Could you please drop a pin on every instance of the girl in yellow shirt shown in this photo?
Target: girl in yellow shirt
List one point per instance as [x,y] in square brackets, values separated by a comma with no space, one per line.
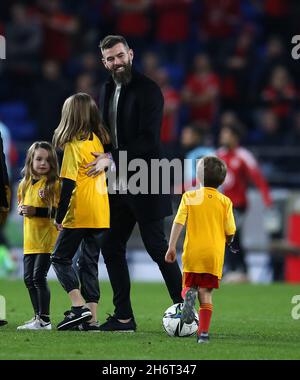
[83,210]
[38,194]
[209,226]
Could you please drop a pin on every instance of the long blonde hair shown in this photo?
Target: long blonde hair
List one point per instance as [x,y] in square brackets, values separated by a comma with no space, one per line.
[52,176]
[79,118]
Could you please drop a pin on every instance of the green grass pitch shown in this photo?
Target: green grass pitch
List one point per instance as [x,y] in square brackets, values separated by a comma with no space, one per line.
[249,322]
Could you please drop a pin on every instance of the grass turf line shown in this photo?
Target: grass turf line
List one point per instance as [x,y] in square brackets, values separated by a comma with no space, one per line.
[249,322]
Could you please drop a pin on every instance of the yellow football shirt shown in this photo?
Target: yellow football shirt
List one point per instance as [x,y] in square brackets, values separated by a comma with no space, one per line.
[209,218]
[89,205]
[40,233]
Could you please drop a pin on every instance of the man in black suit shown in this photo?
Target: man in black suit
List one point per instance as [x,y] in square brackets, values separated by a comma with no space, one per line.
[4,195]
[132,108]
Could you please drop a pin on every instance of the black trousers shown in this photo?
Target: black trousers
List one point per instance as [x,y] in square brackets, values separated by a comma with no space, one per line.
[68,242]
[36,268]
[113,250]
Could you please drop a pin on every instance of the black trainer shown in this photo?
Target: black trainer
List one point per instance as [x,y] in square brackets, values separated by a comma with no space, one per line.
[85,326]
[112,324]
[203,338]
[74,317]
[187,312]
[3,322]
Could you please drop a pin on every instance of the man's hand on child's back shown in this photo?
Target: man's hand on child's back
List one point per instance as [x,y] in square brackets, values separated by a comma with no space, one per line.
[96,167]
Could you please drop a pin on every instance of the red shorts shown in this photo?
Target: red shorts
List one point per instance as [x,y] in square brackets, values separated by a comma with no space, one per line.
[201,280]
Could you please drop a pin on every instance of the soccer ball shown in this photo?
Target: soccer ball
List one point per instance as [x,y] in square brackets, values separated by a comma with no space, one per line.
[173,325]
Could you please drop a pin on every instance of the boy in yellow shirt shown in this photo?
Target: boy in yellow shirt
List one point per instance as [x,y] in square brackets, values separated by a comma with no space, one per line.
[209,226]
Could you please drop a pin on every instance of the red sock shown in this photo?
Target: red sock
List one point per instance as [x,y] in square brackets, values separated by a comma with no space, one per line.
[205,313]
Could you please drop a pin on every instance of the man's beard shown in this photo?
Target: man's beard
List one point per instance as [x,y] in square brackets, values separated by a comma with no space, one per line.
[122,77]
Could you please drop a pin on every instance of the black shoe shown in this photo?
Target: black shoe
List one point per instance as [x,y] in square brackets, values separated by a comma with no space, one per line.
[74,317]
[112,324]
[203,338]
[187,312]
[3,322]
[85,326]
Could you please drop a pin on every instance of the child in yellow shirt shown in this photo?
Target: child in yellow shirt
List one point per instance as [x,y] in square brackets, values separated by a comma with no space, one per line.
[209,226]
[38,196]
[83,210]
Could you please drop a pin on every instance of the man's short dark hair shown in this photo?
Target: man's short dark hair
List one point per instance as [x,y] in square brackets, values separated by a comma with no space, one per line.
[214,171]
[112,40]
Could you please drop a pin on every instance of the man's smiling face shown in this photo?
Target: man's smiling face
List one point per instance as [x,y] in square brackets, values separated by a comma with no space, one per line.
[118,60]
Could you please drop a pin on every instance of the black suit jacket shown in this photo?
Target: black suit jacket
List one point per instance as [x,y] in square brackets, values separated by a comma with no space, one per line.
[139,116]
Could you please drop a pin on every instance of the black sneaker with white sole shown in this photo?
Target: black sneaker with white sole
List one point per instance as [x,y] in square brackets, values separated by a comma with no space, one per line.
[187,312]
[86,326]
[113,324]
[74,317]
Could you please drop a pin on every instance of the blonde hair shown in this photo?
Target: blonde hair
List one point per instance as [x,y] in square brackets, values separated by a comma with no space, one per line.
[52,176]
[79,118]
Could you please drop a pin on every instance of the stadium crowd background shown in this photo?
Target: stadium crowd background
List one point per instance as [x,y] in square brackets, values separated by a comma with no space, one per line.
[241,49]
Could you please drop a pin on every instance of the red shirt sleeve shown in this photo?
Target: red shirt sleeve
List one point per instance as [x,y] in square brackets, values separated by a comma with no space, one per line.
[256,176]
